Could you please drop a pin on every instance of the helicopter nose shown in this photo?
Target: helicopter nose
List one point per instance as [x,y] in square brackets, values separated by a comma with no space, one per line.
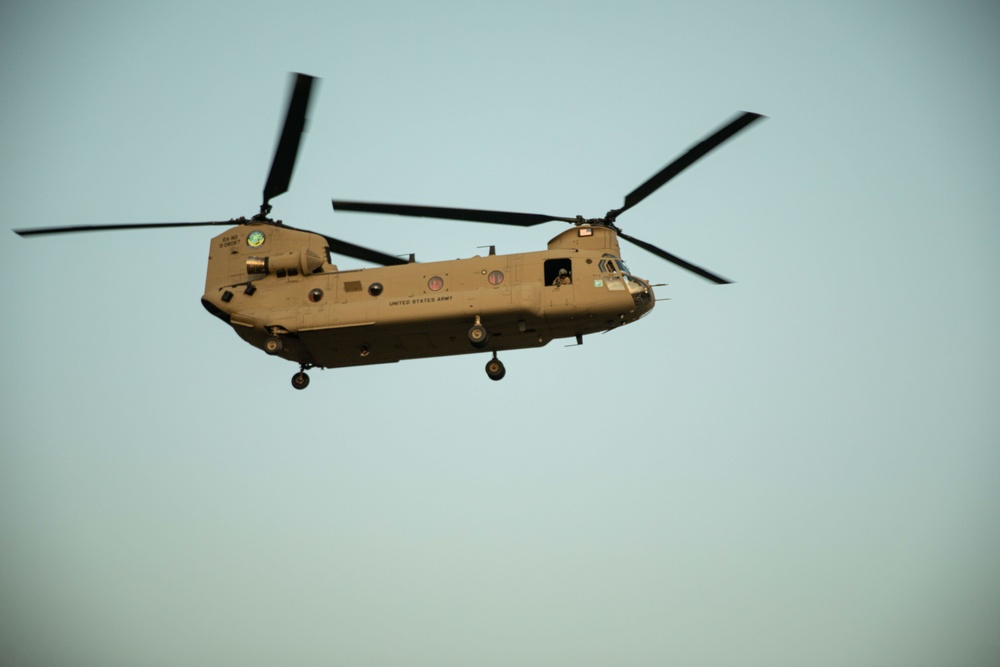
[642,295]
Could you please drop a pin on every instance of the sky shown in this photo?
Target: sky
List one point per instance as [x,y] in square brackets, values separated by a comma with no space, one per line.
[796,469]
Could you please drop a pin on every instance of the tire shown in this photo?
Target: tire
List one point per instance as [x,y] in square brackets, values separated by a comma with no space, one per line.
[478,335]
[495,369]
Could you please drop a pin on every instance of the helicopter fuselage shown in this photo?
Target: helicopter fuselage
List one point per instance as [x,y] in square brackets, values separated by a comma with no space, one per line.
[273,283]
[278,288]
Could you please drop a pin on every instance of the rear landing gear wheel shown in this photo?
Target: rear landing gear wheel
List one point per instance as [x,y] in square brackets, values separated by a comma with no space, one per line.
[273,345]
[478,335]
[300,380]
[495,369]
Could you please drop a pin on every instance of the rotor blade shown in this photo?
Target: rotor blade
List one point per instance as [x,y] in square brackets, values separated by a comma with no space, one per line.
[470,214]
[288,145]
[659,252]
[695,153]
[38,231]
[356,251]
[360,252]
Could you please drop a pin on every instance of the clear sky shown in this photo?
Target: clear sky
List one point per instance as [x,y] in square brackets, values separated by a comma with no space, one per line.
[796,469]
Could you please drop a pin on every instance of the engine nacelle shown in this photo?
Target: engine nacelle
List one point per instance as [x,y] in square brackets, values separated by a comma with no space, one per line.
[252,252]
[304,261]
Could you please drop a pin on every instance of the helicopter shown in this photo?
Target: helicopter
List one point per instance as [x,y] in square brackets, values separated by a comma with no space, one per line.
[278,288]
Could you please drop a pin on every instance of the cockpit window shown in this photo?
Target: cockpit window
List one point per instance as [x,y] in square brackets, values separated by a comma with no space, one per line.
[610,265]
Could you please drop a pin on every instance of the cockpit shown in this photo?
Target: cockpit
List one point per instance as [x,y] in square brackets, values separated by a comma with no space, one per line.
[614,265]
[619,277]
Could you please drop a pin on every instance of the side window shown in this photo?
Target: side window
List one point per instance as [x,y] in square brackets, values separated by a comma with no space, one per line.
[558,271]
[612,266]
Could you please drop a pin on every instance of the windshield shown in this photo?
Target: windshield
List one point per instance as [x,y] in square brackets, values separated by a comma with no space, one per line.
[610,265]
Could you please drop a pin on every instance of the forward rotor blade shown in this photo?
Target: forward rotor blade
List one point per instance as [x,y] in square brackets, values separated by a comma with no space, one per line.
[469,214]
[695,153]
[684,264]
[288,145]
[38,231]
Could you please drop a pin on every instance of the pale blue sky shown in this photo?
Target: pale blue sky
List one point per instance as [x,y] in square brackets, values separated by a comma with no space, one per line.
[797,469]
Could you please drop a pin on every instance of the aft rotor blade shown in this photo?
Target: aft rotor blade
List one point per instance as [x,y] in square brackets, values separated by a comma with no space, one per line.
[684,264]
[38,231]
[695,153]
[360,252]
[291,133]
[469,214]
[356,251]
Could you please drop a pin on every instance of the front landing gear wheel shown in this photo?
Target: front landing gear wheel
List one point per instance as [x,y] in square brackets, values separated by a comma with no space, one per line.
[273,345]
[300,380]
[478,335]
[495,369]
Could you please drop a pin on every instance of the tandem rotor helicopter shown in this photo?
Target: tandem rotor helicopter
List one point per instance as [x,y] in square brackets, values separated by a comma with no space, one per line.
[278,288]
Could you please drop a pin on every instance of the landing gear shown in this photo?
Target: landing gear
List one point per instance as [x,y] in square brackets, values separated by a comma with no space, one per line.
[273,345]
[478,335]
[495,368]
[300,380]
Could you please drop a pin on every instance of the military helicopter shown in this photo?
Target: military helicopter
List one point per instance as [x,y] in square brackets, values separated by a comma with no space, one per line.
[278,288]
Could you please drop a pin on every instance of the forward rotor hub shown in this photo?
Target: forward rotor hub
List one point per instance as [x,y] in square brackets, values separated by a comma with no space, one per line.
[607,221]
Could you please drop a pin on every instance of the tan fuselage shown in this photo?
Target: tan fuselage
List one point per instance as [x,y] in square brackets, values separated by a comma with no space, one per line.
[331,318]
